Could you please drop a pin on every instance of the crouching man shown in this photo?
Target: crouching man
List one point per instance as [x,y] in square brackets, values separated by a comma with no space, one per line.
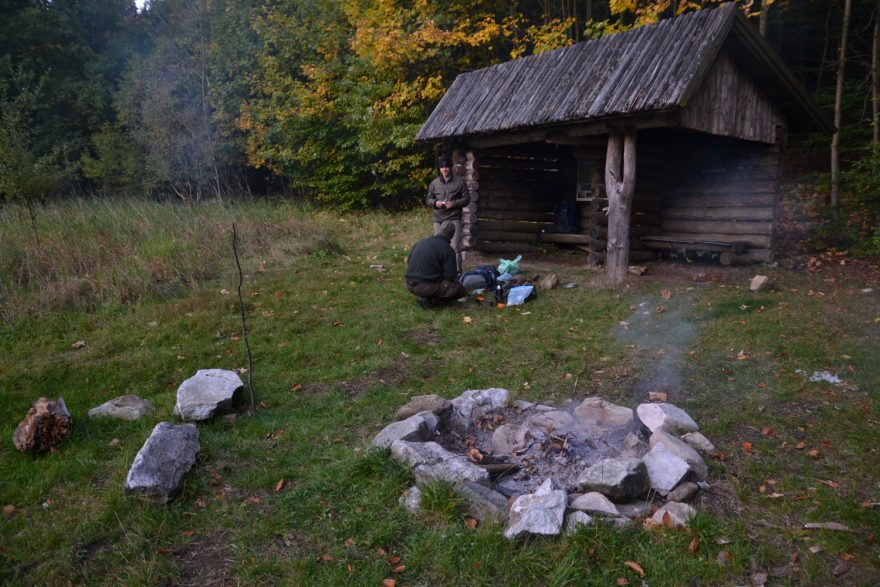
[431,273]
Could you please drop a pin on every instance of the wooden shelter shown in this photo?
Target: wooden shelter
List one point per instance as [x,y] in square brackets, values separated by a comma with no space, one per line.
[701,101]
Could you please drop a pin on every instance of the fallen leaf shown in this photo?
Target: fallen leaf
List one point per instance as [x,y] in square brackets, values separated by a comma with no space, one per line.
[847,556]
[114,443]
[380,552]
[8,509]
[79,344]
[814,454]
[279,486]
[224,292]
[693,546]
[235,337]
[474,455]
[635,566]
[296,387]
[747,447]
[337,323]
[188,533]
[767,431]
[399,569]
[666,294]
[470,522]
[621,582]
[467,320]
[389,583]
[278,294]
[327,557]
[393,559]
[801,445]
[255,500]
[719,455]
[742,356]
[829,483]
[349,568]
[349,542]
[657,396]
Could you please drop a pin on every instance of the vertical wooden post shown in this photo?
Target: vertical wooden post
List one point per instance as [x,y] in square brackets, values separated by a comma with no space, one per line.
[620,179]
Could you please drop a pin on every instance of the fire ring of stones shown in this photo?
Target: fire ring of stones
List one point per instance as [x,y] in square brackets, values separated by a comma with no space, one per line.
[539,469]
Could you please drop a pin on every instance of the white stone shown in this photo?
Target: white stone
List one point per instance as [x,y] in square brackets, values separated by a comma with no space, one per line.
[411,499]
[665,470]
[552,421]
[680,514]
[681,449]
[616,478]
[125,407]
[425,403]
[662,416]
[206,392]
[758,283]
[575,520]
[594,503]
[420,427]
[474,404]
[599,415]
[699,442]
[431,463]
[510,438]
[162,461]
[541,512]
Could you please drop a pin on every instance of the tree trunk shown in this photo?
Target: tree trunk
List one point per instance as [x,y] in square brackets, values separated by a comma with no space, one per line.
[838,99]
[620,176]
[762,19]
[875,74]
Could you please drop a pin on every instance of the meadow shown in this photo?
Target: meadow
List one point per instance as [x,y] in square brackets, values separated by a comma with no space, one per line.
[290,494]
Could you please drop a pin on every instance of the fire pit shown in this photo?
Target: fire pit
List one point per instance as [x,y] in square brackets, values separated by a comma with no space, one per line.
[591,458]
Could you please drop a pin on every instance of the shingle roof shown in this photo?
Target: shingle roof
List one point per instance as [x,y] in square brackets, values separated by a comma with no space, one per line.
[649,69]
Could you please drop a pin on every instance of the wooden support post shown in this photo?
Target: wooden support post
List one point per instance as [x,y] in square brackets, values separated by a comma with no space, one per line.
[620,178]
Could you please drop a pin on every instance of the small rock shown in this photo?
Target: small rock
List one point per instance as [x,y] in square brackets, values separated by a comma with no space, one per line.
[486,505]
[548,281]
[474,404]
[758,579]
[759,283]
[114,443]
[602,416]
[665,470]
[125,407]
[681,449]
[541,512]
[9,510]
[666,417]
[426,403]
[575,520]
[699,442]
[635,509]
[416,428]
[620,479]
[431,463]
[207,392]
[684,492]
[162,461]
[510,438]
[680,514]
[46,425]
[552,421]
[411,499]
[595,503]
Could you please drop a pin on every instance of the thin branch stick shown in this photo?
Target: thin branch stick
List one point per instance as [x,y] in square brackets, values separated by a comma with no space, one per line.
[244,332]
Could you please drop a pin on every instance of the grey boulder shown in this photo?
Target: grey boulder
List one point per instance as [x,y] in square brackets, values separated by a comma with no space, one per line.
[619,479]
[205,393]
[541,512]
[124,407]
[159,466]
[417,428]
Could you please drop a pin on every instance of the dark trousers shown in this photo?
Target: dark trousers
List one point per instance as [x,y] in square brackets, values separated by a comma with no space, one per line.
[441,291]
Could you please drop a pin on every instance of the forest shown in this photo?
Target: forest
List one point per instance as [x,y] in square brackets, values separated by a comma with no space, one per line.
[215,99]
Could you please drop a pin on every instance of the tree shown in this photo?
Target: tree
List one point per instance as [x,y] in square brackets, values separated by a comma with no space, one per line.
[838,108]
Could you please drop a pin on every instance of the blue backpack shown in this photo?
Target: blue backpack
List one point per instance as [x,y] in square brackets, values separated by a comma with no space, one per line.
[483,277]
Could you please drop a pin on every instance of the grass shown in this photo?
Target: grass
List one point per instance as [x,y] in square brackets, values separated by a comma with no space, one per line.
[339,345]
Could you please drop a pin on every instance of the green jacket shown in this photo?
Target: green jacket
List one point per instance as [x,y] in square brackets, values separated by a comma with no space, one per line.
[454,190]
[432,260]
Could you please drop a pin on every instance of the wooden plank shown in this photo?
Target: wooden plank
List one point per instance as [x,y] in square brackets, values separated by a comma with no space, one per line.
[488,213]
[506,247]
[514,226]
[743,213]
[564,238]
[508,236]
[493,203]
[717,226]
[750,240]
[723,200]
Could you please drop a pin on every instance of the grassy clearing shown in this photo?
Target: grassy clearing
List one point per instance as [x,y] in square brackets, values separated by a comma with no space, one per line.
[338,346]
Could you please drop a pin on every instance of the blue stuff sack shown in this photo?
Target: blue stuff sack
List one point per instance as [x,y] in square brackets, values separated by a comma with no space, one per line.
[520,294]
[483,277]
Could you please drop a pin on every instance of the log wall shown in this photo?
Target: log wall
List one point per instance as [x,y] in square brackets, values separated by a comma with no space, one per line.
[694,192]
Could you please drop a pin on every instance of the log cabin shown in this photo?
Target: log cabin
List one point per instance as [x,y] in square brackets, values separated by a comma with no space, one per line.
[666,137]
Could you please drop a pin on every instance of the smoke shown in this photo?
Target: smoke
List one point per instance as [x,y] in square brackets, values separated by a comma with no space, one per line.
[659,333]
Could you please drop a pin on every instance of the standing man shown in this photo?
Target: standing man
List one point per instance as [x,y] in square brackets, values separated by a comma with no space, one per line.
[447,195]
[431,275]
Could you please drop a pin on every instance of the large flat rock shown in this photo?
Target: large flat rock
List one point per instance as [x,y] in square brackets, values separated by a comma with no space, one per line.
[159,466]
[206,393]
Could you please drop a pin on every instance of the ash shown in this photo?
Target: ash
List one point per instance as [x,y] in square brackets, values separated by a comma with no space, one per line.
[561,455]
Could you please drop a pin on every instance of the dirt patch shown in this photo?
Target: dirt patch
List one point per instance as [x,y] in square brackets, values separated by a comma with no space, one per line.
[205,561]
[424,337]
